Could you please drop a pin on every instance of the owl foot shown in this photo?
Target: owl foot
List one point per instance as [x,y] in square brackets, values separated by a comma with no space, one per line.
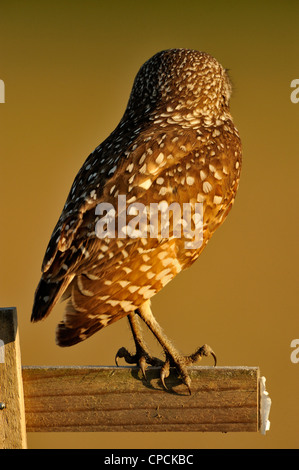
[173,357]
[203,351]
[182,362]
[141,358]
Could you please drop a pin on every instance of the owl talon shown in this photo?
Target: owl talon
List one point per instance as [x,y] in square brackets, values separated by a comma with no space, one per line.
[124,353]
[181,369]
[164,372]
[203,351]
[141,358]
[143,366]
[187,382]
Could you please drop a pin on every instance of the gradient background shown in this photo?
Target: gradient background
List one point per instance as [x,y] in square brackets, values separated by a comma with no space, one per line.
[68,68]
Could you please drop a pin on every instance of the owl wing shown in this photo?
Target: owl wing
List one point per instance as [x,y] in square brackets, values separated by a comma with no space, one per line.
[74,245]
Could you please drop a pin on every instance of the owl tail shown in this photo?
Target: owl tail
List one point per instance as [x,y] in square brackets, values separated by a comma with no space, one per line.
[80,323]
[46,296]
[67,336]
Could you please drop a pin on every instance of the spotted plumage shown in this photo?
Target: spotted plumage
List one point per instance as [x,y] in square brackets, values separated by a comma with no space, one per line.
[176,142]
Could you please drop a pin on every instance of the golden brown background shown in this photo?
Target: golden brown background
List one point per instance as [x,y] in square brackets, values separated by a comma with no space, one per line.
[68,68]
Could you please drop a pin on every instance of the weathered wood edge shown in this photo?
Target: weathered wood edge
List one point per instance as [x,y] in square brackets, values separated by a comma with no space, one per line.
[12,414]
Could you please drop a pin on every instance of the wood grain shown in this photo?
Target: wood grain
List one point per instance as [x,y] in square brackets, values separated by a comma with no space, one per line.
[119,399]
[12,416]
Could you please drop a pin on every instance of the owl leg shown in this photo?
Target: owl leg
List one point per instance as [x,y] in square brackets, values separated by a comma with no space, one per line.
[173,357]
[142,357]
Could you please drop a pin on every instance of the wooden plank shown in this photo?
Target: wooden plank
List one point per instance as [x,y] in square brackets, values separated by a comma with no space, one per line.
[119,399]
[12,414]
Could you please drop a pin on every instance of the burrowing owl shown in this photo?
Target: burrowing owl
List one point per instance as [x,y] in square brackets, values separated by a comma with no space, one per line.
[176,143]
